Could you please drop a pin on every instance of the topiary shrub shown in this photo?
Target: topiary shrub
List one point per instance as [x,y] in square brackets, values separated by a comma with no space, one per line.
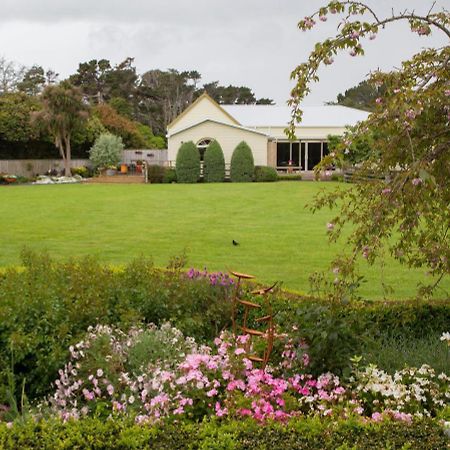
[188,163]
[242,165]
[265,174]
[170,175]
[214,164]
[106,151]
[155,173]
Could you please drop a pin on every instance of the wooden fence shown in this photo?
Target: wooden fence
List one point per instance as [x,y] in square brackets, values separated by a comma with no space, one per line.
[32,167]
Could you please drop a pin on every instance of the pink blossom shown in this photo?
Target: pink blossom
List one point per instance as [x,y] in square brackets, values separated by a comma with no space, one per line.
[323,18]
[330,226]
[377,417]
[110,389]
[378,100]
[99,373]
[239,351]
[372,36]
[386,191]
[416,181]
[220,411]
[212,392]
[447,92]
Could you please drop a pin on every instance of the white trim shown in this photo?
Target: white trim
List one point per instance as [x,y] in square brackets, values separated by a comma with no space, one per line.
[219,123]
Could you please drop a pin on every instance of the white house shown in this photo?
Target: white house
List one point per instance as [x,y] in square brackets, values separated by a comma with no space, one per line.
[262,127]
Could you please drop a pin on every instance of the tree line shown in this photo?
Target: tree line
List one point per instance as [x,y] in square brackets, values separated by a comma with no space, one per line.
[149,100]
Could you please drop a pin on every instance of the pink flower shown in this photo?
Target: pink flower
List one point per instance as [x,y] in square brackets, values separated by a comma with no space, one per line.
[386,191]
[447,92]
[372,36]
[330,226]
[416,181]
[220,411]
[379,100]
[99,373]
[377,417]
[239,351]
[110,389]
[323,18]
[212,393]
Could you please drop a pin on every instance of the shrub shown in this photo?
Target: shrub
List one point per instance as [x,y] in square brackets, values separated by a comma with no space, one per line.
[214,163]
[298,434]
[242,166]
[155,173]
[265,174]
[107,150]
[188,163]
[170,175]
[50,305]
[290,177]
[83,171]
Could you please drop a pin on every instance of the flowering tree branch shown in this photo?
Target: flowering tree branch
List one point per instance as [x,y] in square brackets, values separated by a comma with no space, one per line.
[402,197]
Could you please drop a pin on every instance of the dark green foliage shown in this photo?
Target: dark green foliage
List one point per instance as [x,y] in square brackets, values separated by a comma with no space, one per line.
[188,163]
[48,306]
[214,164]
[242,167]
[265,174]
[155,173]
[290,177]
[170,175]
[299,434]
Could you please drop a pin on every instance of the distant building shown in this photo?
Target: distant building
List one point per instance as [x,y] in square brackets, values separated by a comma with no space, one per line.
[262,127]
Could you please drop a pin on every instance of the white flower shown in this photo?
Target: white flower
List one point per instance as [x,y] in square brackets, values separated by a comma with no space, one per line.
[445,337]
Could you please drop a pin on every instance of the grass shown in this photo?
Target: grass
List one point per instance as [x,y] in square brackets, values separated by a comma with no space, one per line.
[279,238]
[396,353]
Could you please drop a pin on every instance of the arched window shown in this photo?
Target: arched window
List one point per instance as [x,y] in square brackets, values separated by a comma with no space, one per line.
[202,145]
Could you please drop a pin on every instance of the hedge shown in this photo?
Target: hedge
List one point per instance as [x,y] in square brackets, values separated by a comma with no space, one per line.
[242,166]
[265,174]
[214,164]
[299,434]
[188,163]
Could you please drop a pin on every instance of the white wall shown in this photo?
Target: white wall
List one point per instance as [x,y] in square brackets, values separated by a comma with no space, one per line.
[228,138]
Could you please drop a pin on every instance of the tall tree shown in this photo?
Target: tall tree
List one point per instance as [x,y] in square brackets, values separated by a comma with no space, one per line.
[63,112]
[91,78]
[363,96]
[10,75]
[233,95]
[405,207]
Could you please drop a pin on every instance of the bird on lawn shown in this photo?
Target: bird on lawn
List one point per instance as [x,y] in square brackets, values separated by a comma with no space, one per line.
[235,242]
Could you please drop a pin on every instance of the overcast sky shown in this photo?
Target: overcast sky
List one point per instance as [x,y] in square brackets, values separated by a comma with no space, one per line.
[255,43]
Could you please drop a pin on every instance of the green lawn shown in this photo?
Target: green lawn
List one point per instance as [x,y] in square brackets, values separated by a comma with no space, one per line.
[280,239]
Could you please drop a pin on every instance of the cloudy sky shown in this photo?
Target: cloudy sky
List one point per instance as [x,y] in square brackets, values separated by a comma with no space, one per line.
[242,42]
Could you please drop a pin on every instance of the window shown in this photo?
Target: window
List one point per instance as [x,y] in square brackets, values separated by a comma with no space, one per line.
[202,145]
[288,151]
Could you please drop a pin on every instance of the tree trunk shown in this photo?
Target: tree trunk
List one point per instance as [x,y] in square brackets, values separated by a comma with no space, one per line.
[67,159]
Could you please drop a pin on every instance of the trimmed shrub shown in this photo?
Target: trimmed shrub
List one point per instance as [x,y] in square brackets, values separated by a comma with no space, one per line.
[290,177]
[170,175]
[188,163]
[301,434]
[214,164]
[107,150]
[242,165]
[155,173]
[265,174]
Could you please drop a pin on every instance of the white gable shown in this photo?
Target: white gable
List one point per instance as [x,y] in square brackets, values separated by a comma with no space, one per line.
[203,108]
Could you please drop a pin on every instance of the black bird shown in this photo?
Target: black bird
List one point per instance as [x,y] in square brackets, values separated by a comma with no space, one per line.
[235,242]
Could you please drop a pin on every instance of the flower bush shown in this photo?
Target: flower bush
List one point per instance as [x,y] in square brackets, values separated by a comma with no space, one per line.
[150,374]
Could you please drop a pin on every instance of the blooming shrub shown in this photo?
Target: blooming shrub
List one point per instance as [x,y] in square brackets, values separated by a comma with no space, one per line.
[410,391]
[215,278]
[156,373]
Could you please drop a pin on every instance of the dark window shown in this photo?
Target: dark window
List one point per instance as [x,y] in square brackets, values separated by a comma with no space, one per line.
[296,154]
[314,156]
[302,156]
[283,154]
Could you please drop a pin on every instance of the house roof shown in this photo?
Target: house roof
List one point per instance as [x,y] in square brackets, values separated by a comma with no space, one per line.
[193,105]
[279,116]
[250,130]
